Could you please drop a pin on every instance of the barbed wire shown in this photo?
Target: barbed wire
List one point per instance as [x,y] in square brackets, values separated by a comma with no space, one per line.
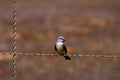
[73,55]
[14,40]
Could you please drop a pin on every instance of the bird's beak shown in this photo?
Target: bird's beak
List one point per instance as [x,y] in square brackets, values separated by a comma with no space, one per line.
[64,40]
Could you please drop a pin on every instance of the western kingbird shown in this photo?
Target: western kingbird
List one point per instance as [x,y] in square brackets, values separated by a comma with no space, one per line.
[61,48]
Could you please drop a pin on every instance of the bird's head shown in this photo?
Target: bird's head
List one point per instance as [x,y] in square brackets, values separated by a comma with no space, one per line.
[60,39]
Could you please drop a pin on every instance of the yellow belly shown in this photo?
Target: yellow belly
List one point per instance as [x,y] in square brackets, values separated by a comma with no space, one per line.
[60,51]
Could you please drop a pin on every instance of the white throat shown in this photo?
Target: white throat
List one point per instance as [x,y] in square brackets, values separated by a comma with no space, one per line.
[59,44]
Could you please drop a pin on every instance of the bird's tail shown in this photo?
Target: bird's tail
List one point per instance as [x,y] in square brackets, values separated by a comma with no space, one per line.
[67,57]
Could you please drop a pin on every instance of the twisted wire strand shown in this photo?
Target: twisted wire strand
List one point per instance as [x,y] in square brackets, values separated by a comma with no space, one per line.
[14,41]
[74,55]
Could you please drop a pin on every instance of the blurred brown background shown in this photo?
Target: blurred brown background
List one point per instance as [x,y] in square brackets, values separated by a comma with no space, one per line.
[5,26]
[89,27]
[5,39]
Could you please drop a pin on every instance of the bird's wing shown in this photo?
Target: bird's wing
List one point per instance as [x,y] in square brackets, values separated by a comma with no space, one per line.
[64,47]
[55,48]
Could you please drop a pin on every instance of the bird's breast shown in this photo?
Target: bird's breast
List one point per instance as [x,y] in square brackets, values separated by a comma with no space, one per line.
[59,45]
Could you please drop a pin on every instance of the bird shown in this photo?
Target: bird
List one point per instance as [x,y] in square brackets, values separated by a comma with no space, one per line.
[61,48]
